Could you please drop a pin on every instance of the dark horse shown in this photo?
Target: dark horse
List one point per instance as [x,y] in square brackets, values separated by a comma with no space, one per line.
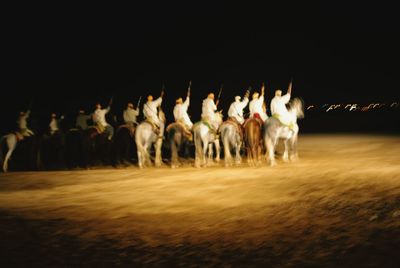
[124,144]
[253,140]
[96,148]
[178,139]
[52,150]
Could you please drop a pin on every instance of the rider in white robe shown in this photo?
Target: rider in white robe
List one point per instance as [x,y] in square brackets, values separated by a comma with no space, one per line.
[256,105]
[99,118]
[278,107]
[236,108]
[150,112]
[180,112]
[23,124]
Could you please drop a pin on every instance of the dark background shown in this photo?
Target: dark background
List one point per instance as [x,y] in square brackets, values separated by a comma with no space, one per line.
[62,58]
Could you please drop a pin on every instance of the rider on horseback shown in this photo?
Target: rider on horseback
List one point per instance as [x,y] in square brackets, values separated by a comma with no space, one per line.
[23,125]
[181,116]
[278,107]
[256,106]
[209,109]
[130,115]
[150,112]
[235,112]
[99,118]
[81,120]
[54,125]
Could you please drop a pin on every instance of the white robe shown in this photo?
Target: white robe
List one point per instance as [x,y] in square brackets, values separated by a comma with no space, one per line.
[180,113]
[208,109]
[130,115]
[256,106]
[236,110]
[99,116]
[278,109]
[150,111]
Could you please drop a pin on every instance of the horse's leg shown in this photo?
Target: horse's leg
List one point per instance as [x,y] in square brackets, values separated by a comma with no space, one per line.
[294,156]
[217,150]
[271,151]
[227,151]
[11,144]
[174,153]
[157,147]
[210,152]
[238,159]
[285,156]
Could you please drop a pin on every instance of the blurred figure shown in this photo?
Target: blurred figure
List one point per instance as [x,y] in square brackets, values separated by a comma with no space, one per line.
[54,125]
[278,106]
[81,120]
[99,118]
[256,106]
[22,123]
[235,111]
[150,112]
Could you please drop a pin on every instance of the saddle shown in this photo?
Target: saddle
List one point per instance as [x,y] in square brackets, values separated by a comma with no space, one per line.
[188,134]
[19,136]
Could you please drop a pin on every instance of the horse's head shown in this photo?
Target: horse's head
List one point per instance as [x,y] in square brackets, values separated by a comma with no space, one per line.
[296,106]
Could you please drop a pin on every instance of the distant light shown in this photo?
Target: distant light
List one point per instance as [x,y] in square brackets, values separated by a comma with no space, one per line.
[353,107]
[310,106]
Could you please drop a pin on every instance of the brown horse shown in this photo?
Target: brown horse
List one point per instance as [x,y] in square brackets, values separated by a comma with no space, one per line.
[253,140]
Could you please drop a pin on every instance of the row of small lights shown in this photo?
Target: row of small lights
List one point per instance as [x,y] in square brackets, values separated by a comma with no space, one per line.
[355,106]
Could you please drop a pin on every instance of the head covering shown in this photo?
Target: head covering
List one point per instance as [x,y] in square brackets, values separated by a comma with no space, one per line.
[278,92]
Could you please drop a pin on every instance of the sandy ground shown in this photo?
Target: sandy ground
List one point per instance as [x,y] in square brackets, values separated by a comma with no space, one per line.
[338,206]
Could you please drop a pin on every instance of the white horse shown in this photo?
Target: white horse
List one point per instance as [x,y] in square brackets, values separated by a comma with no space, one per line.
[144,138]
[11,142]
[231,138]
[275,130]
[204,139]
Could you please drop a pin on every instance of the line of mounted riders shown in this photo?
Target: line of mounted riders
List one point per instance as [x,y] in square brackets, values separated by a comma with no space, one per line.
[89,145]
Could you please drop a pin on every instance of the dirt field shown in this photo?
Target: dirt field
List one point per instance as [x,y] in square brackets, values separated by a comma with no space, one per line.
[338,206]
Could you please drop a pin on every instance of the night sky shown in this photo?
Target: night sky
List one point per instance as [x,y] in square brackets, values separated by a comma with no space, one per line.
[334,53]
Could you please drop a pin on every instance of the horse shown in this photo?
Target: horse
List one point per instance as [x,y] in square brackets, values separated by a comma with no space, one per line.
[231,138]
[28,153]
[274,130]
[204,138]
[52,150]
[124,143]
[253,140]
[96,147]
[145,136]
[177,139]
